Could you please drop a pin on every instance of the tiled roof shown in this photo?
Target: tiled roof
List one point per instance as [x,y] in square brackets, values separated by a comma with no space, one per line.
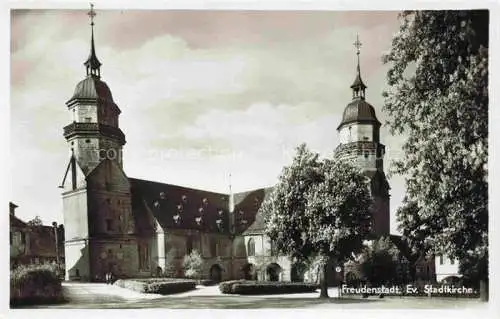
[16,222]
[176,207]
[252,203]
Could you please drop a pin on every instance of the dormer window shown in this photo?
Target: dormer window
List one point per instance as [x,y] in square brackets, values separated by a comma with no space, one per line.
[163,195]
[205,201]
[177,219]
[221,212]
[220,225]
[244,222]
[156,204]
[184,198]
[201,210]
[198,220]
[179,208]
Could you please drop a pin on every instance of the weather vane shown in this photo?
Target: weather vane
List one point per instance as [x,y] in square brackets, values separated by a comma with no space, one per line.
[92,14]
[357,44]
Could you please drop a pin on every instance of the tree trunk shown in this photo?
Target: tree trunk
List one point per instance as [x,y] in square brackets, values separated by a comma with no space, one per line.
[324,281]
[483,290]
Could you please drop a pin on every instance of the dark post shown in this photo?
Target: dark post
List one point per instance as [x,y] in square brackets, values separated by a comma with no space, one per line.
[56,235]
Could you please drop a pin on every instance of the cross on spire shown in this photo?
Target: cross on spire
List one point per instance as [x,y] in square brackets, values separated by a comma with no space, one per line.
[358,87]
[91,14]
[357,44]
[92,64]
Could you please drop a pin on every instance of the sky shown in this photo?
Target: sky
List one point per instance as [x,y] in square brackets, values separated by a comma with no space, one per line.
[203,94]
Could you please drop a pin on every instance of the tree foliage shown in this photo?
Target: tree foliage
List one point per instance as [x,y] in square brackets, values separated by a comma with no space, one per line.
[438,99]
[193,265]
[318,208]
[35,221]
[379,262]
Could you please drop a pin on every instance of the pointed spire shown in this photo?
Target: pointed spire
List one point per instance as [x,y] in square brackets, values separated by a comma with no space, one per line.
[358,87]
[92,64]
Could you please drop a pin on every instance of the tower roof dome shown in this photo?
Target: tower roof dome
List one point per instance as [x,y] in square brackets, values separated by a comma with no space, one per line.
[359,111]
[92,88]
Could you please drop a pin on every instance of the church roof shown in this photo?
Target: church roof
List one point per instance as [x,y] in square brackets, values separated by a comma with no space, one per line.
[195,209]
[177,207]
[359,111]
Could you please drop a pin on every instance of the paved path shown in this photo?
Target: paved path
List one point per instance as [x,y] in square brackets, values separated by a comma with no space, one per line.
[102,296]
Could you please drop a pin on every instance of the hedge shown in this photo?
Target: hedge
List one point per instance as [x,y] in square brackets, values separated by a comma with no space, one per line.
[35,284]
[244,287]
[162,286]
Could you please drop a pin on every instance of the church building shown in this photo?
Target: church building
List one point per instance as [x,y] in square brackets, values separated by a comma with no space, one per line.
[139,228]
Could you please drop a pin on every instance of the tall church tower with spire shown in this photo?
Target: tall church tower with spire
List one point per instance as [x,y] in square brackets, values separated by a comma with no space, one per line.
[99,225]
[359,133]
[93,134]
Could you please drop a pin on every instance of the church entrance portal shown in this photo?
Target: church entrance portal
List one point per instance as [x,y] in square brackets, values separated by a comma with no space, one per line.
[273,272]
[216,273]
[248,271]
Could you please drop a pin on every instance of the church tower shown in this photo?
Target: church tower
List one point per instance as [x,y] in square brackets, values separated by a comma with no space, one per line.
[359,133]
[99,226]
[93,134]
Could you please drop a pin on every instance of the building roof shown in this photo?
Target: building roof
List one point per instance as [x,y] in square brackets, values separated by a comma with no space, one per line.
[92,88]
[16,222]
[177,207]
[359,111]
[258,223]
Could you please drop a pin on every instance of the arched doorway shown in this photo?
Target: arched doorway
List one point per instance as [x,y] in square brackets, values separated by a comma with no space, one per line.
[297,272]
[248,271]
[216,273]
[273,272]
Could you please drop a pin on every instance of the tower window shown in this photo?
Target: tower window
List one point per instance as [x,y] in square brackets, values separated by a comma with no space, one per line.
[72,143]
[87,141]
[88,119]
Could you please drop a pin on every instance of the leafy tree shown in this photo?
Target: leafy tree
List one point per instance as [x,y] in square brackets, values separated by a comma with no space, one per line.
[318,208]
[35,221]
[379,262]
[438,99]
[193,265]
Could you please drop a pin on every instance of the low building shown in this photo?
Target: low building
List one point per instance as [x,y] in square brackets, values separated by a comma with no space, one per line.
[446,268]
[34,244]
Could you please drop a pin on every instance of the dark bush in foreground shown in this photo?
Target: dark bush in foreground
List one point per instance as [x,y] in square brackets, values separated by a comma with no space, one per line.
[243,287]
[162,286]
[35,284]
[226,286]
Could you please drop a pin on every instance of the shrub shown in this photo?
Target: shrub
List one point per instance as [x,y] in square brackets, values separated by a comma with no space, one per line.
[244,287]
[225,286]
[35,284]
[162,286]
[193,264]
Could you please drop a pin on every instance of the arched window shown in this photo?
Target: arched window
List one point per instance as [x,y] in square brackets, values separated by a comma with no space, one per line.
[251,247]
